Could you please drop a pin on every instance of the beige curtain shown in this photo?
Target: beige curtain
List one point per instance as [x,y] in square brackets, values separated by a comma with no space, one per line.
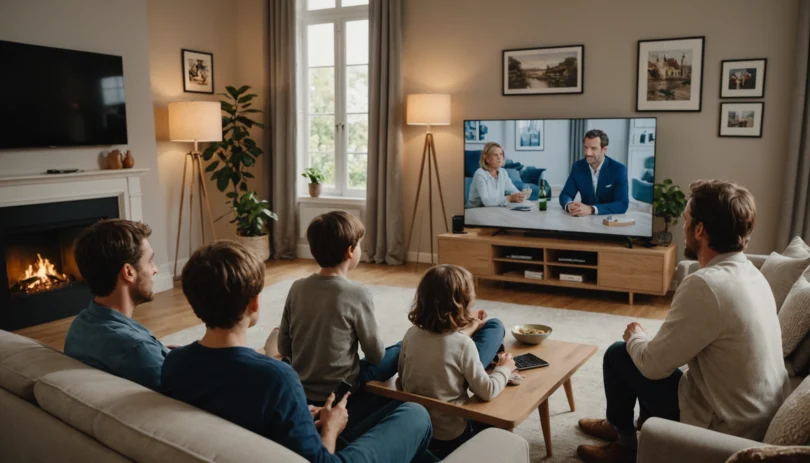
[282,128]
[385,226]
[795,217]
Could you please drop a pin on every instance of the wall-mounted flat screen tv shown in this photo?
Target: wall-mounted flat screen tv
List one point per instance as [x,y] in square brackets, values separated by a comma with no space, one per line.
[53,97]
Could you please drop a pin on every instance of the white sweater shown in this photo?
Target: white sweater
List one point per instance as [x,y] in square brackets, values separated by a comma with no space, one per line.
[723,325]
[437,366]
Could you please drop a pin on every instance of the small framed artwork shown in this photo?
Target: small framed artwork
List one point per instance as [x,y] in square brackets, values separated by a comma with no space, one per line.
[470,131]
[741,119]
[483,132]
[670,74]
[543,71]
[198,71]
[529,136]
[742,78]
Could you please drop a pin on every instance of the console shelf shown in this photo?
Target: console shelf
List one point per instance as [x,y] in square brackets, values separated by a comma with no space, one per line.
[603,265]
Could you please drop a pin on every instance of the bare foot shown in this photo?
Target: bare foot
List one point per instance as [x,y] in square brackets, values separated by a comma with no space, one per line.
[271,345]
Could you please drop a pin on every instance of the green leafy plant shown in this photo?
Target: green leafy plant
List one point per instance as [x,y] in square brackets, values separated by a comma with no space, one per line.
[314,175]
[252,214]
[234,154]
[669,202]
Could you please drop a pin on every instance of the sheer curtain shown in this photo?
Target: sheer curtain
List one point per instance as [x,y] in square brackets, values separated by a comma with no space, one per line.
[385,226]
[282,126]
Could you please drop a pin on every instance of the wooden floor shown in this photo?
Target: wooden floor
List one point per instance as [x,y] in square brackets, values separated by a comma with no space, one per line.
[170,312]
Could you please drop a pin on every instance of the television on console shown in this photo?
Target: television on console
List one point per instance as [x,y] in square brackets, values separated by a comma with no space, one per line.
[565,158]
[53,97]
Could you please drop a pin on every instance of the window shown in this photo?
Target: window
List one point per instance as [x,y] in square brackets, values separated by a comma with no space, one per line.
[333,93]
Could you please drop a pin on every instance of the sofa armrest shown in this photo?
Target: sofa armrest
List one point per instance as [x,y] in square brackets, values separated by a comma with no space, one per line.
[663,441]
[492,445]
[757,259]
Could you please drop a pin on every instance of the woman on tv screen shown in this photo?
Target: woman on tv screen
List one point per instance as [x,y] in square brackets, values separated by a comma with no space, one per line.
[491,181]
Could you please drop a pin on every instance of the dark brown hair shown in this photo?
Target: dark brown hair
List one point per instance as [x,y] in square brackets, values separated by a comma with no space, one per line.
[442,299]
[596,133]
[219,281]
[727,211]
[103,248]
[331,234]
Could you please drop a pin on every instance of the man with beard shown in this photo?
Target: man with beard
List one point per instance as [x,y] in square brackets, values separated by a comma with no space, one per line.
[722,324]
[117,263]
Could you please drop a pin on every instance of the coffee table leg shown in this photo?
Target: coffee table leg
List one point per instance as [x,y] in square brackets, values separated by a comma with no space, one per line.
[545,424]
[569,392]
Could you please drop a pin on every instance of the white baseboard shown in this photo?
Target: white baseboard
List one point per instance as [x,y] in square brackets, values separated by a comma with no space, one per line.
[164,280]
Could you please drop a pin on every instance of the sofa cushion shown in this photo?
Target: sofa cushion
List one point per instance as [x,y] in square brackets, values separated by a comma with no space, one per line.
[23,361]
[800,358]
[26,427]
[774,454]
[791,425]
[472,161]
[797,248]
[794,317]
[146,426]
[781,273]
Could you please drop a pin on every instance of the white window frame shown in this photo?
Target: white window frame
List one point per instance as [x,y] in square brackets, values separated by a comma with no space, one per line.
[339,16]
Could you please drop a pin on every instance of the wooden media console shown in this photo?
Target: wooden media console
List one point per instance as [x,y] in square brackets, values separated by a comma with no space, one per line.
[601,265]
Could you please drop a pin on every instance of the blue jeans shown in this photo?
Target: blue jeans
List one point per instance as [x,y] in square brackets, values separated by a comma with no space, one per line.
[489,341]
[402,436]
[366,410]
[624,384]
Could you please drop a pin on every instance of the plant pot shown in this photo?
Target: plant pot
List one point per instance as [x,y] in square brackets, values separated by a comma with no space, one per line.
[663,238]
[314,190]
[258,245]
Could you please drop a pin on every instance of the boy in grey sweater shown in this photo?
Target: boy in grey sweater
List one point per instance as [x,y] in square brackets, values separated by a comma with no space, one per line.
[327,317]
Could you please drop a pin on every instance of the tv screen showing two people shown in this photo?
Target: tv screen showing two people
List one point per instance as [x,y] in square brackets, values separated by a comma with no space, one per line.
[561,175]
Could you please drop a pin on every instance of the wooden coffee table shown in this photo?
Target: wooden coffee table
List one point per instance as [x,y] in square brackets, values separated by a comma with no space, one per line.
[515,403]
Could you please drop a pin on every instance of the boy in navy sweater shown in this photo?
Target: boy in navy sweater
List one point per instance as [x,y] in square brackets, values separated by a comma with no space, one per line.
[219,374]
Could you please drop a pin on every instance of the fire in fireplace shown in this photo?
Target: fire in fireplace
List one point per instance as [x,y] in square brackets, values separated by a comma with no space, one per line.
[40,276]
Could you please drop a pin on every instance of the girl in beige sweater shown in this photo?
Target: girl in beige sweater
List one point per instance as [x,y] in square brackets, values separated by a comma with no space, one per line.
[447,351]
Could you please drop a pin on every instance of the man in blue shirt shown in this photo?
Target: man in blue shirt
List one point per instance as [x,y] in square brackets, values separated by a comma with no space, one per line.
[116,260]
[600,180]
[219,374]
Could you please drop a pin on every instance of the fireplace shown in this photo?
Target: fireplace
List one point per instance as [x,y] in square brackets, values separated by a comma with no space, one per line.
[37,241]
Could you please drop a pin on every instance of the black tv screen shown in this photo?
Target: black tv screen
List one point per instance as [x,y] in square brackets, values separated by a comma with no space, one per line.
[52,97]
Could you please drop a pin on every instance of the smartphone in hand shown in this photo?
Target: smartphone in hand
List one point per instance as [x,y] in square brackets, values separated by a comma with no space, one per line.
[341,391]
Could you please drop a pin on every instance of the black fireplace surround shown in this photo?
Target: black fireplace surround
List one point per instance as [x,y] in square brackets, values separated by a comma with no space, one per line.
[47,231]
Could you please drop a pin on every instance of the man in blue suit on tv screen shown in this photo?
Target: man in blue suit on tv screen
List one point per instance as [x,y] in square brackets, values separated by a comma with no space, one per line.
[600,180]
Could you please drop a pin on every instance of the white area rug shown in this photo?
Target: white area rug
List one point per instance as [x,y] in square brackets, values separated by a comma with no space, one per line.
[392,306]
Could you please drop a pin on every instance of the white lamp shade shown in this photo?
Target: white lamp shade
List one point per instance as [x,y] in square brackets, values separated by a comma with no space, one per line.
[428,109]
[195,121]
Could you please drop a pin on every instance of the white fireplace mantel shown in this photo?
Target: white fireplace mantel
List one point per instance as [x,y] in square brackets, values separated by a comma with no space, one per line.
[124,184]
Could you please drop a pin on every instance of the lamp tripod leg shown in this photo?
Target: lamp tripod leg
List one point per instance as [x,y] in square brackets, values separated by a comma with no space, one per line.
[416,201]
[180,216]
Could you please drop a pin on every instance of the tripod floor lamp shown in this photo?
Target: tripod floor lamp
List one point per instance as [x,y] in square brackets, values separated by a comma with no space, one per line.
[194,121]
[428,109]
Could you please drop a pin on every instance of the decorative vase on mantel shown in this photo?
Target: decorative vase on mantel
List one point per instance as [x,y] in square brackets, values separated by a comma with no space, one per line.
[114,161]
[129,161]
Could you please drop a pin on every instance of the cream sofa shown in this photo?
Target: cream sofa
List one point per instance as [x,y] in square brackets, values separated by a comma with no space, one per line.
[54,408]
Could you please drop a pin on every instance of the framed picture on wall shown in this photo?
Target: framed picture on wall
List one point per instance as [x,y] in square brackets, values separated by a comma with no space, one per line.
[198,71]
[470,131]
[670,74]
[529,136]
[742,78]
[543,71]
[741,119]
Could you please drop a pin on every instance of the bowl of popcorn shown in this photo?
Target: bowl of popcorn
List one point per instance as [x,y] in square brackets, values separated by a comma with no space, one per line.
[531,334]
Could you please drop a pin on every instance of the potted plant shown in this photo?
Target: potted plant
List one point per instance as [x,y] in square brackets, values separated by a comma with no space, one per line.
[669,203]
[315,177]
[234,155]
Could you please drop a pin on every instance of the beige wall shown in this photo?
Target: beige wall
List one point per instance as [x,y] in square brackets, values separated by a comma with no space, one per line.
[229,30]
[455,47]
[116,27]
